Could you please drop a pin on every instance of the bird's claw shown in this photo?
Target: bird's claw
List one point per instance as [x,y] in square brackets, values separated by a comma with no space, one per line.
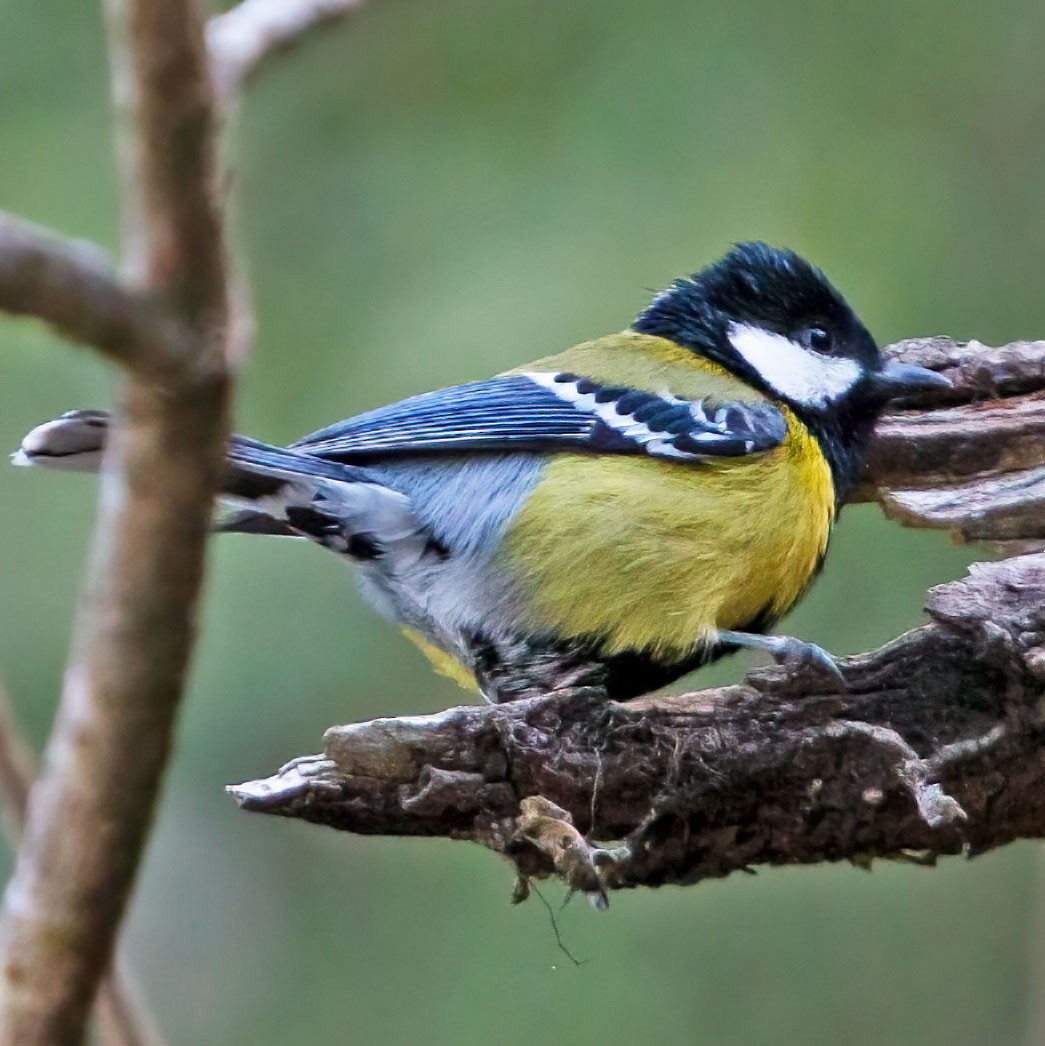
[808,660]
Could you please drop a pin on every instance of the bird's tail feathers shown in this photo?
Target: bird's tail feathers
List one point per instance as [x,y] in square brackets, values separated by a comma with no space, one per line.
[266,489]
[73,442]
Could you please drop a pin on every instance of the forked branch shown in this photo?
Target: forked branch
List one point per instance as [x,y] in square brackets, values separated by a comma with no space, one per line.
[168,321]
[72,286]
[243,39]
[90,810]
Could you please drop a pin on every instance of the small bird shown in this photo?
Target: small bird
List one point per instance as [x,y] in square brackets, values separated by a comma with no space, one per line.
[615,515]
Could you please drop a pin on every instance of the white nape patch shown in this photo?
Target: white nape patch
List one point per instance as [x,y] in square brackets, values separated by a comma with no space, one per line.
[796,373]
[625,424]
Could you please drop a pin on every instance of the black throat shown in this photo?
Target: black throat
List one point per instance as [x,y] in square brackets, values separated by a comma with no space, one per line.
[844,436]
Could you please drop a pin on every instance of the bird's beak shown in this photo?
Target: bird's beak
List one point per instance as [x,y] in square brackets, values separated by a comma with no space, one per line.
[898,379]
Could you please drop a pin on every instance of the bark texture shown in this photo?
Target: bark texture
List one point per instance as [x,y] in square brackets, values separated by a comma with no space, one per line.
[935,748]
[974,465]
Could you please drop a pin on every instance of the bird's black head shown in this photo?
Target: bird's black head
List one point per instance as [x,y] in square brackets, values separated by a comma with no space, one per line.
[774,321]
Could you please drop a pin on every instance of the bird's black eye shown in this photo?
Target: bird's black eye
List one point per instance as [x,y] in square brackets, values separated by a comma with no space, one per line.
[817,339]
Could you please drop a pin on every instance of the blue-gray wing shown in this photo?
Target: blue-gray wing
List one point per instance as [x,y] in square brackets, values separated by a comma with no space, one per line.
[547,412]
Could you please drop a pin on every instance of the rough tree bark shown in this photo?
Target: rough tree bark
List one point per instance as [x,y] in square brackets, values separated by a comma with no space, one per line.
[167,321]
[934,748]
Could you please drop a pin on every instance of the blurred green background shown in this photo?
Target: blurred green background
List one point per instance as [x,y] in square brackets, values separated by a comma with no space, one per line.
[436,192]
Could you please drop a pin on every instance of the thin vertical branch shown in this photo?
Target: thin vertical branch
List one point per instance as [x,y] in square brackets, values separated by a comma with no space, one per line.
[170,324]
[90,811]
[123,1017]
[17,768]
[166,122]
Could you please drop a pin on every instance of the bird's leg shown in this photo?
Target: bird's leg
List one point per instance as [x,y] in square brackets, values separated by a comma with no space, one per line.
[791,653]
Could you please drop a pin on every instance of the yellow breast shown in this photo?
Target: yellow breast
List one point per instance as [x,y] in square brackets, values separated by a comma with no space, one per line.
[653,555]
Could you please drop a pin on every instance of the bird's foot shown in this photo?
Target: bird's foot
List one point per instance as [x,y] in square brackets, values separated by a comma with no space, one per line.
[807,660]
[805,663]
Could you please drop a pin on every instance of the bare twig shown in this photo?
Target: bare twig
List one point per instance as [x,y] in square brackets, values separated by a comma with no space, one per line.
[90,811]
[122,1015]
[17,768]
[935,748]
[72,286]
[124,1018]
[240,43]
[243,39]
[169,322]
[173,240]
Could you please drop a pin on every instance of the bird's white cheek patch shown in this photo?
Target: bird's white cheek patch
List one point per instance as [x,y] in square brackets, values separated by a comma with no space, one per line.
[796,373]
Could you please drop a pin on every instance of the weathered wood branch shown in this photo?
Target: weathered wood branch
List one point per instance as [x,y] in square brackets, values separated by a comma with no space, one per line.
[935,747]
[974,463]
